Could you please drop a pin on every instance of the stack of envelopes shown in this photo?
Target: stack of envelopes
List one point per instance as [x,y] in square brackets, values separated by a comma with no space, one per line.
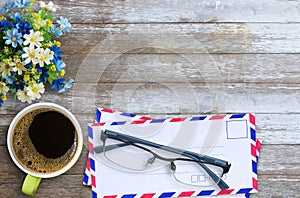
[137,156]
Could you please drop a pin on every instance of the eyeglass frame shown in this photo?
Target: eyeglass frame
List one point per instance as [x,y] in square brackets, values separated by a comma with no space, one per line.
[201,160]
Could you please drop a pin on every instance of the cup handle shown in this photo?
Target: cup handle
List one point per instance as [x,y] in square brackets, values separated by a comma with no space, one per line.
[30,185]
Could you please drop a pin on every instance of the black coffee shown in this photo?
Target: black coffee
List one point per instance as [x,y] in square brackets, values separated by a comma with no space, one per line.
[44,140]
[52,134]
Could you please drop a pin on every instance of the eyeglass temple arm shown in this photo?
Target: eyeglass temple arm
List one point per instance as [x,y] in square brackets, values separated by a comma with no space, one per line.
[100,149]
[219,181]
[211,160]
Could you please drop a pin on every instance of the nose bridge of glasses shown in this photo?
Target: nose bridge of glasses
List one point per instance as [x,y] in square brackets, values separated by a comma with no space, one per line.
[151,160]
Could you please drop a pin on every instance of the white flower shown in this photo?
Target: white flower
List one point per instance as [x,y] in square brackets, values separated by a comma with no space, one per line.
[33,39]
[36,90]
[23,96]
[32,54]
[46,57]
[6,68]
[19,66]
[3,88]
[50,6]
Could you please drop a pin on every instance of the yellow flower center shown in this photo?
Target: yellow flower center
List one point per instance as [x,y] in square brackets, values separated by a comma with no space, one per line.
[53,68]
[31,55]
[43,57]
[7,67]
[13,39]
[6,50]
[62,73]
[26,78]
[4,97]
[57,43]
[19,65]
[49,23]
[25,93]
[32,39]
[35,90]
[1,86]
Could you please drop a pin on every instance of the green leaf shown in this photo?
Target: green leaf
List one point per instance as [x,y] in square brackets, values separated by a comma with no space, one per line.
[49,17]
[42,13]
[47,37]
[5,56]
[52,76]
[50,80]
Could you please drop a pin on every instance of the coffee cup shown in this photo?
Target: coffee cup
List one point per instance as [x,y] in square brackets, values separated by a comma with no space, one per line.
[44,140]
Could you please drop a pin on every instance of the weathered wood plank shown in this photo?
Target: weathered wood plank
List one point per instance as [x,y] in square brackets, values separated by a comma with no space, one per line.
[254,68]
[179,11]
[179,98]
[188,97]
[184,38]
[277,186]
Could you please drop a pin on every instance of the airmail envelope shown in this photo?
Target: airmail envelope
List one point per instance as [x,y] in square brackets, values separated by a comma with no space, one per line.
[107,115]
[228,137]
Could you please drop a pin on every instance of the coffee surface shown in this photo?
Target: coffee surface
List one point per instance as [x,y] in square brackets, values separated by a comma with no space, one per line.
[52,134]
[44,140]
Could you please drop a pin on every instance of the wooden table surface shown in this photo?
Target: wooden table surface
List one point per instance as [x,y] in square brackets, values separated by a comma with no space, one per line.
[168,58]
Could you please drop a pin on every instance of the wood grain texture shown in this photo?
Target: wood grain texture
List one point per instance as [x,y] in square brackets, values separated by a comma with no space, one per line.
[178,11]
[239,68]
[176,58]
[218,38]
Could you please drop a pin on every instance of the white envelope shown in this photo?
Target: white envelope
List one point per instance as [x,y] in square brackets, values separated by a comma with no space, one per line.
[107,115]
[197,133]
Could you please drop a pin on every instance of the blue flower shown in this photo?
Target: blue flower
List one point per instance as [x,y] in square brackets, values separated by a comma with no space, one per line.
[44,75]
[60,65]
[24,27]
[22,3]
[9,79]
[8,6]
[3,25]
[13,37]
[57,32]
[57,83]
[1,101]
[66,86]
[57,53]
[17,17]
[17,85]
[64,24]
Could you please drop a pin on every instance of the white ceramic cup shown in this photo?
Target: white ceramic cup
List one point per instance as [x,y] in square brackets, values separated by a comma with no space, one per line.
[33,179]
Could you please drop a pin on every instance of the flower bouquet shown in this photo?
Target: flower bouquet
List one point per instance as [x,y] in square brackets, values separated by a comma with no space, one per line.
[29,54]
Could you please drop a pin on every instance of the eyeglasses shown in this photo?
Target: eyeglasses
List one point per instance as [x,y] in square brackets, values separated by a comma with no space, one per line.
[137,154]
